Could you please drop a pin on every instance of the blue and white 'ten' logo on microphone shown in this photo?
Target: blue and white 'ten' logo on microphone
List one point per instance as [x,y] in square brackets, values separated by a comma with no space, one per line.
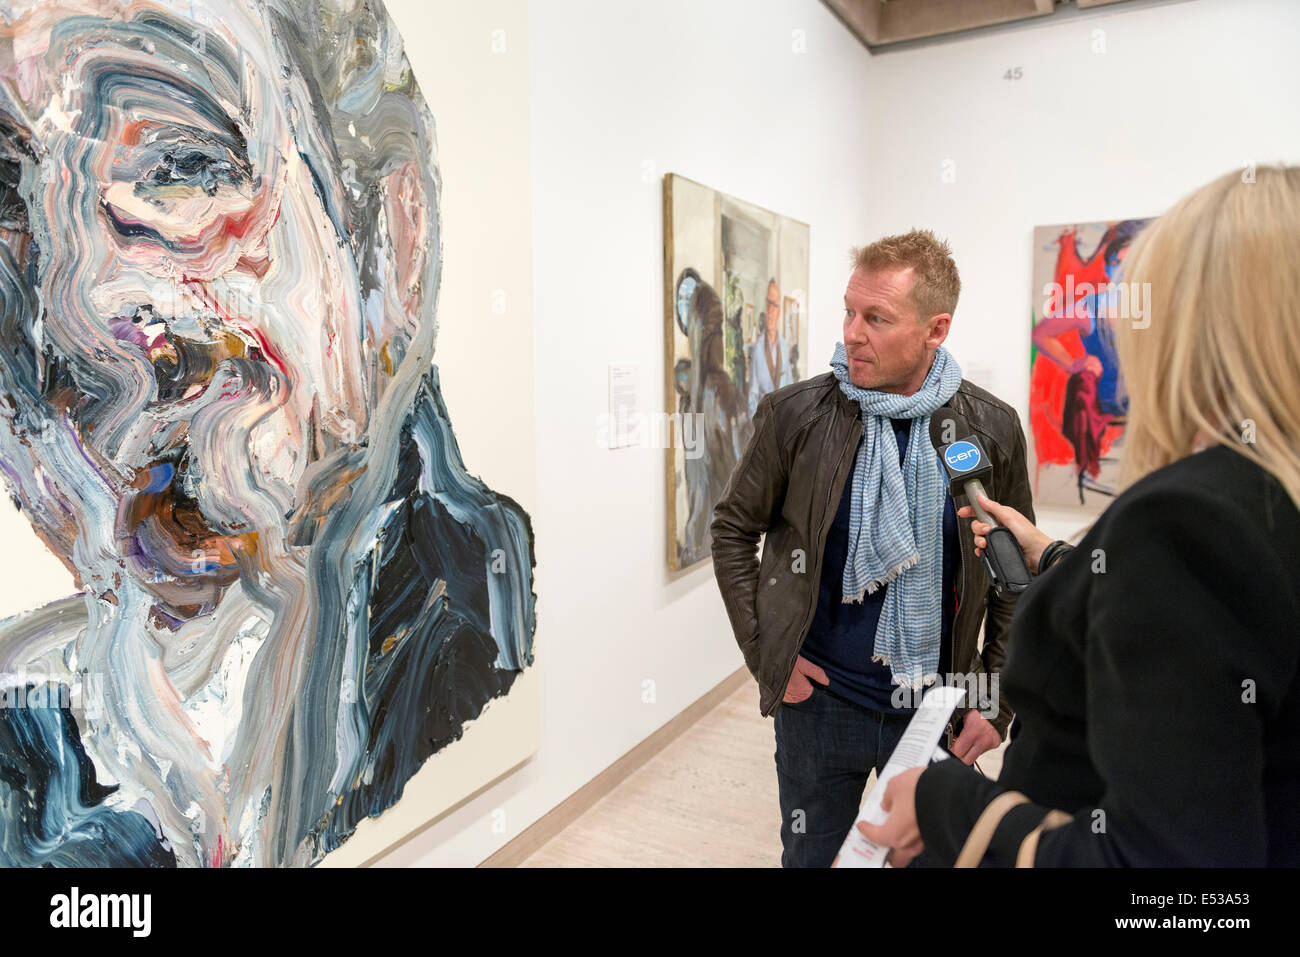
[962,456]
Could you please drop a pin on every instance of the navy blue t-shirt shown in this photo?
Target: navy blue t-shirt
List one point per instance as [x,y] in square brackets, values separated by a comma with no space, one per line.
[842,637]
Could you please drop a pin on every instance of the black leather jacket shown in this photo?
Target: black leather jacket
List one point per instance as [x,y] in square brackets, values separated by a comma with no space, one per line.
[789,484]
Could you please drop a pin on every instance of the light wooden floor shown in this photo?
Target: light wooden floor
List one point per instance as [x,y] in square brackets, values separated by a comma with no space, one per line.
[708,799]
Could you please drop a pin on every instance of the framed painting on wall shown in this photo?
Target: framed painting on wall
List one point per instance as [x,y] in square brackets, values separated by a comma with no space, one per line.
[724,260]
[261,596]
[1077,404]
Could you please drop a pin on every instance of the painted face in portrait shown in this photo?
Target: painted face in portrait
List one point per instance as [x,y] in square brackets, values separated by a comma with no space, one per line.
[219,258]
[207,294]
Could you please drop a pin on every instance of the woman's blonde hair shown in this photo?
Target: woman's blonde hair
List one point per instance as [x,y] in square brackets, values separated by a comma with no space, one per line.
[1218,356]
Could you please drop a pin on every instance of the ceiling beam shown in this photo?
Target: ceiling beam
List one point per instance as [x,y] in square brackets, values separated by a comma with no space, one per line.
[881,24]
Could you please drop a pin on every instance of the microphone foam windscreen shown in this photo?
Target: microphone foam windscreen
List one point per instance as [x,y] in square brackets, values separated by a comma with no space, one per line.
[947,426]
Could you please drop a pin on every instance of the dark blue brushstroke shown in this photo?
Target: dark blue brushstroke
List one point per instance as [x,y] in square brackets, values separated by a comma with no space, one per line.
[442,670]
[52,812]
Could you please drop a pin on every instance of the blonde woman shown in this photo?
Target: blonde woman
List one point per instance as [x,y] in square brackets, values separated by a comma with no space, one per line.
[1153,669]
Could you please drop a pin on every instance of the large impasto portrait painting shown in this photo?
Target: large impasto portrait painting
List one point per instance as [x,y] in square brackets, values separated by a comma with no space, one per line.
[736,328]
[1077,404]
[220,253]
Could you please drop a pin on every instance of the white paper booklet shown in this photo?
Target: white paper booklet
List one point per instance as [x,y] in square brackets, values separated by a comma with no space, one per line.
[913,751]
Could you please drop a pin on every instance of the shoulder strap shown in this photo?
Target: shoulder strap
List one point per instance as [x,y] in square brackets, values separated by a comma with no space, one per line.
[977,842]
[1029,846]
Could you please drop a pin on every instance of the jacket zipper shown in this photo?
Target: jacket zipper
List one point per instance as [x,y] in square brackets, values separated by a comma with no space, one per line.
[821,535]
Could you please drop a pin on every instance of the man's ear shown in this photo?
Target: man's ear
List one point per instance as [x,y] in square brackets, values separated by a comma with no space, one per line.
[939,325]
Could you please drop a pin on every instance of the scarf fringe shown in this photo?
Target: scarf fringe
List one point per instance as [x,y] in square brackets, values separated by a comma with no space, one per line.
[873,586]
[917,685]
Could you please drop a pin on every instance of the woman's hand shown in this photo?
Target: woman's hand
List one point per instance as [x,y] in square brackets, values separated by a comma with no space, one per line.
[900,832]
[1031,540]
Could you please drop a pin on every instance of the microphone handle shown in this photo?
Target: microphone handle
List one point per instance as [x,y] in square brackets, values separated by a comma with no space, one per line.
[1003,559]
[974,489]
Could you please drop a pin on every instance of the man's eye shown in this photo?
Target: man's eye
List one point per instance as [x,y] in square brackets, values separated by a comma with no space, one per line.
[191,167]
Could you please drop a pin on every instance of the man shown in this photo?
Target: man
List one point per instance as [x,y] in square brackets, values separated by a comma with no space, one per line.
[219,258]
[868,587]
[769,361]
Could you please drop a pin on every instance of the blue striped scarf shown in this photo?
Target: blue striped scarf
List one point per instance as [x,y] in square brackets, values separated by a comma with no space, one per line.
[896,519]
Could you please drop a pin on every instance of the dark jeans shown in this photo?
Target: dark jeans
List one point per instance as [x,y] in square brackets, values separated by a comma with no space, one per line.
[826,747]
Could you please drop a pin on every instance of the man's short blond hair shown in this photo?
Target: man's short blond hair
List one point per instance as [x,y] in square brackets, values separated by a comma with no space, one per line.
[936,286]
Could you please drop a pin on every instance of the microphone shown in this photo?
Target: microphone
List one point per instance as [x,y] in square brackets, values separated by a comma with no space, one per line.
[967,465]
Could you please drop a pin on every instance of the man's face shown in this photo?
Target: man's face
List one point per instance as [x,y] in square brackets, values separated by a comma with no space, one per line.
[889,347]
[773,310]
[205,308]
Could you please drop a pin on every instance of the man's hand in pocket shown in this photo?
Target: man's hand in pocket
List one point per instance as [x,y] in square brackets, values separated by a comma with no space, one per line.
[799,687]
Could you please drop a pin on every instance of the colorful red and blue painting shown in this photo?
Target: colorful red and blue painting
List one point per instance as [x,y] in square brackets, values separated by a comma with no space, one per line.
[1077,404]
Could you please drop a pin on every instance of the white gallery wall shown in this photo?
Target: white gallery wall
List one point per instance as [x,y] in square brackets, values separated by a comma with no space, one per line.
[773,101]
